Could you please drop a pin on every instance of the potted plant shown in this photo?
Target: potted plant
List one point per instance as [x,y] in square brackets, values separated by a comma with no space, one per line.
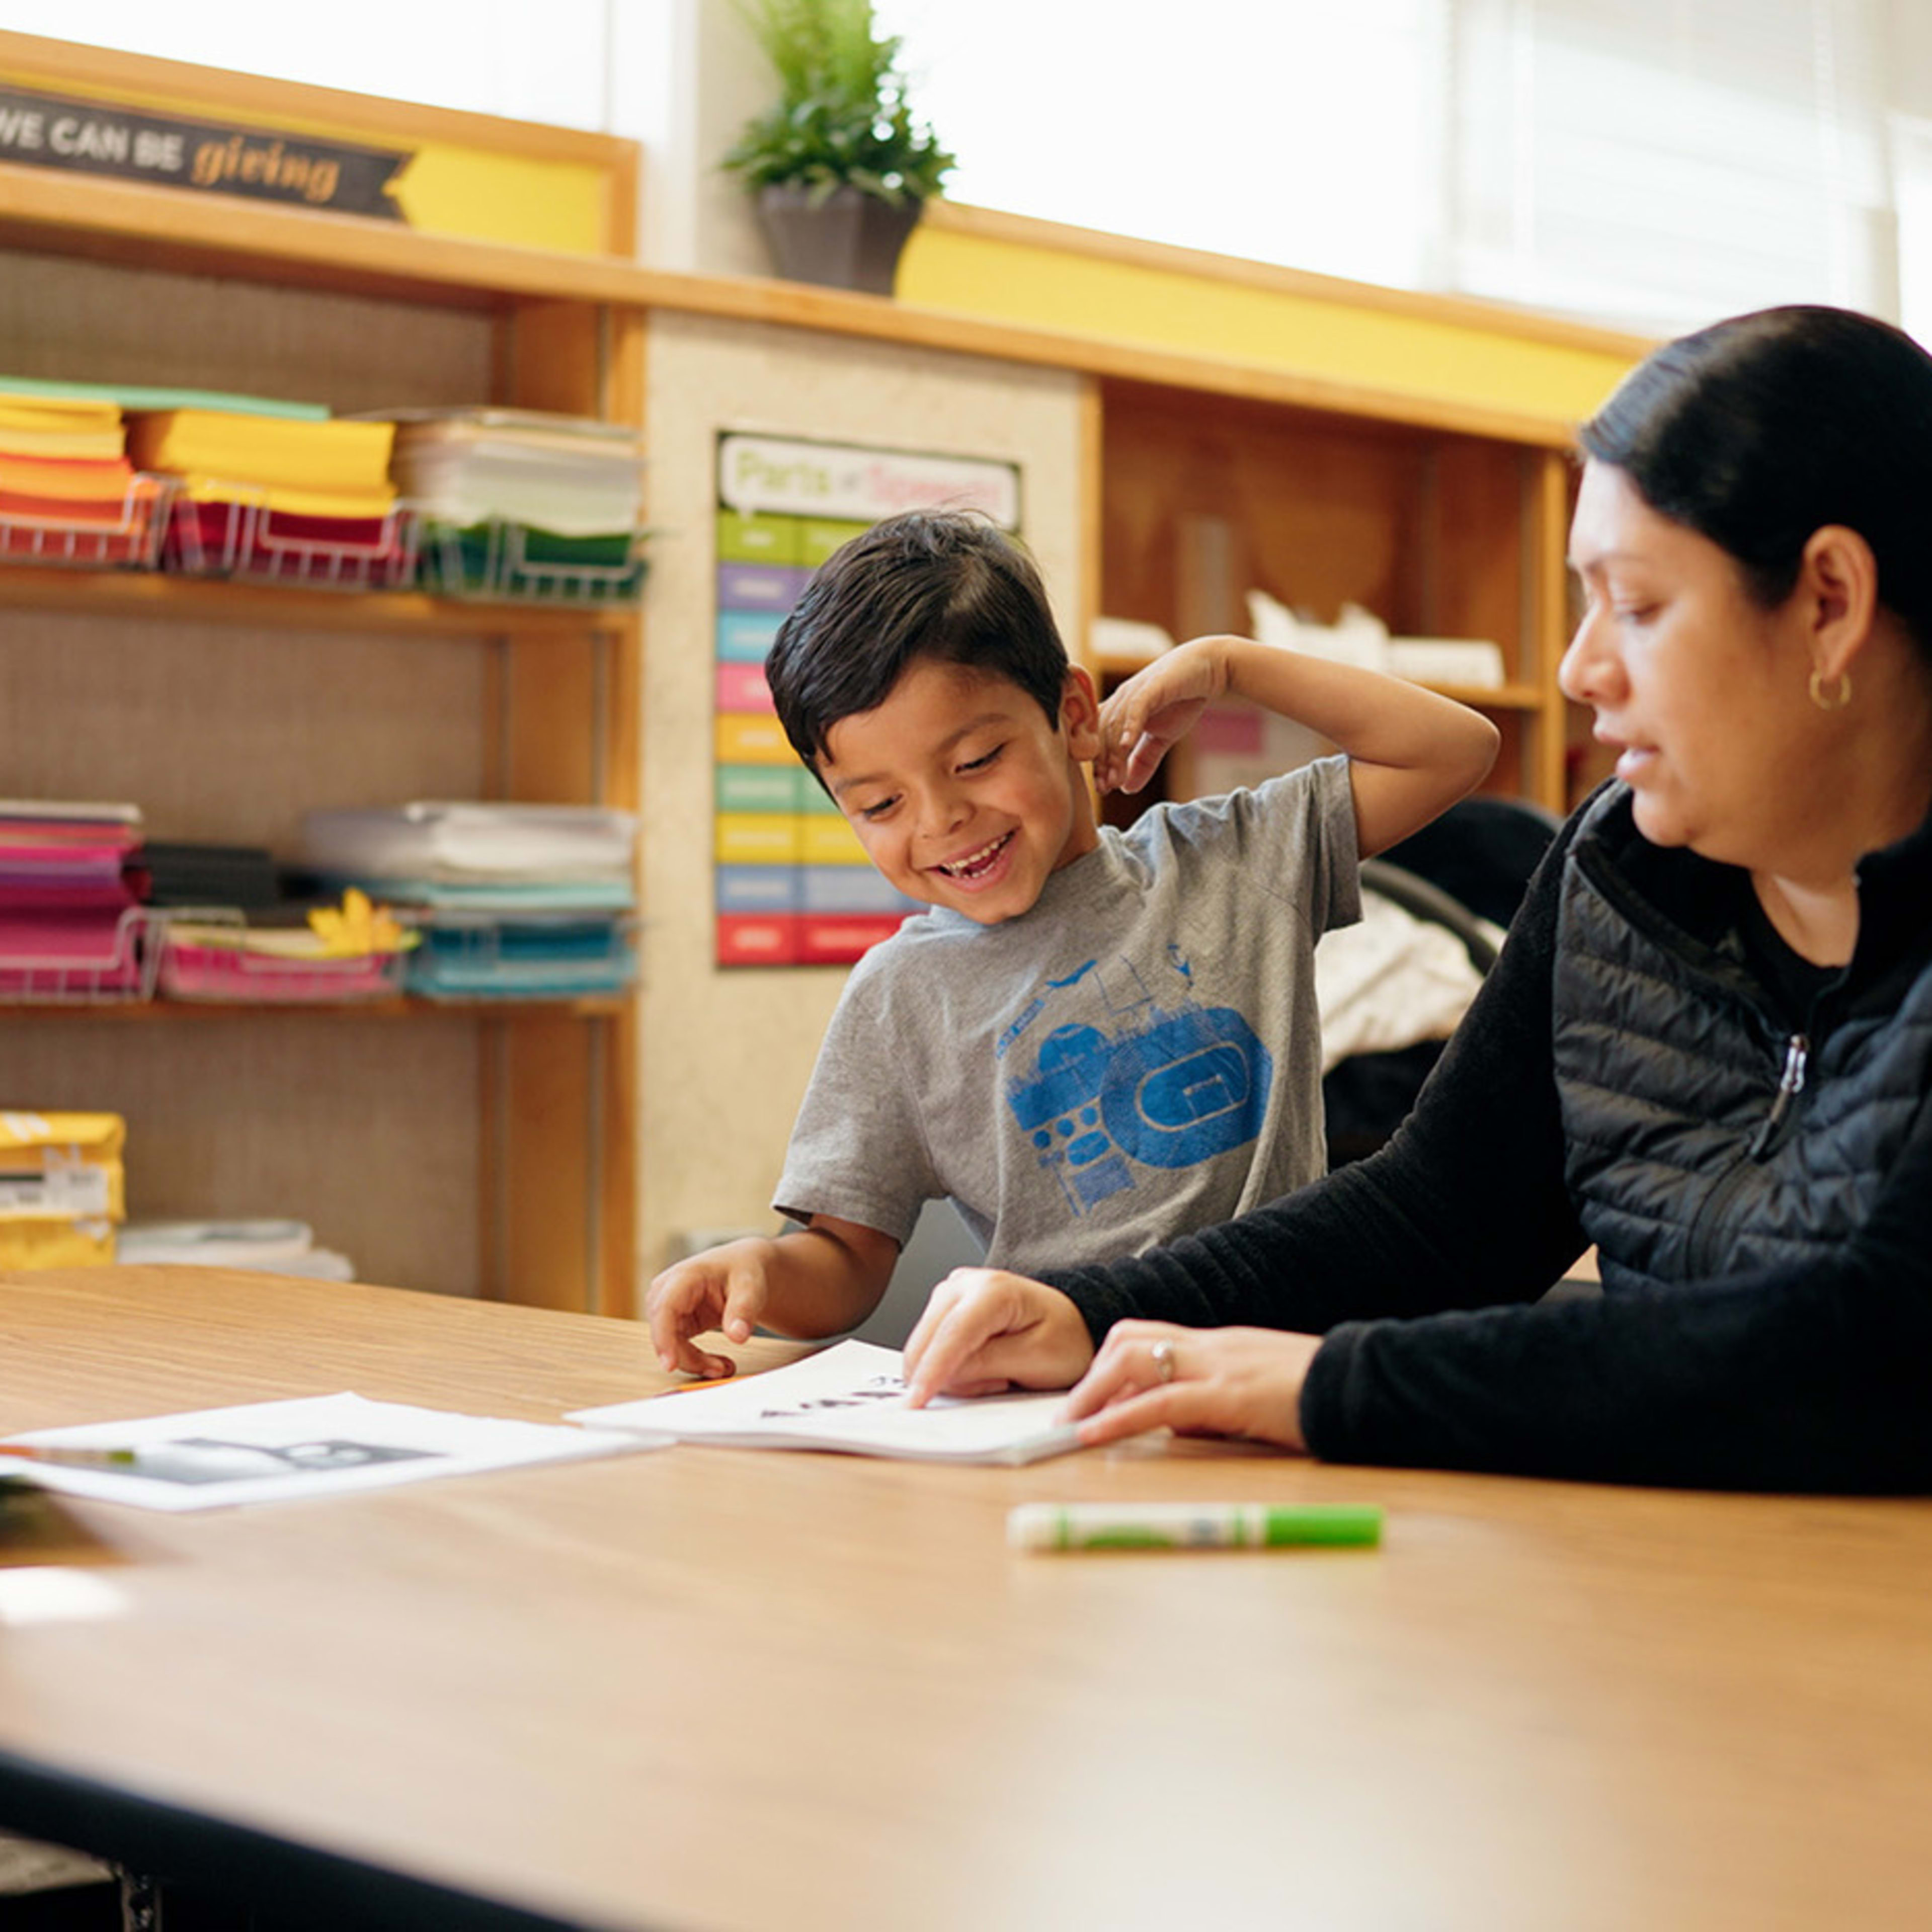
[839,167]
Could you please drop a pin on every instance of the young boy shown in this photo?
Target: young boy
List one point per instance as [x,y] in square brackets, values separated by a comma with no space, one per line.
[1096,1040]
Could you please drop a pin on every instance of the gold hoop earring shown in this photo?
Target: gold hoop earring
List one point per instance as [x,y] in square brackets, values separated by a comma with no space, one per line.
[1831,700]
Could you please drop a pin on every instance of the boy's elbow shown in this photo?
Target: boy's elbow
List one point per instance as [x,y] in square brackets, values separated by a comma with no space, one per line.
[1484,742]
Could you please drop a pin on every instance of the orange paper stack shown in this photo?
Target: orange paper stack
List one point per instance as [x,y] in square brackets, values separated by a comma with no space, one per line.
[68,493]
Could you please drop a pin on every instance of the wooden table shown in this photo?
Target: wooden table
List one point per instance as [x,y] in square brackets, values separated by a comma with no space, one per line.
[713,1688]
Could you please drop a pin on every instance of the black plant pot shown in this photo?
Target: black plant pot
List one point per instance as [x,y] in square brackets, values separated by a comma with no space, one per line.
[850,240]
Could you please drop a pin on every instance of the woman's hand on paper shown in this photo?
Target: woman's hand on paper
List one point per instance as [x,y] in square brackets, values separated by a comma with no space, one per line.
[984,1331]
[1196,1382]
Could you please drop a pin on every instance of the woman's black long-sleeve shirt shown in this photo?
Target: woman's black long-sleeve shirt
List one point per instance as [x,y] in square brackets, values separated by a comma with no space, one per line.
[1424,1267]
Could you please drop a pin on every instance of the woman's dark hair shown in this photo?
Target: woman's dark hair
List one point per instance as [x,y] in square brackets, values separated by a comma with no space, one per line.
[946,584]
[1757,431]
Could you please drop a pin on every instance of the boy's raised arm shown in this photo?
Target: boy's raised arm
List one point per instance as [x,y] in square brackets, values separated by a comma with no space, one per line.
[821,1280]
[1412,752]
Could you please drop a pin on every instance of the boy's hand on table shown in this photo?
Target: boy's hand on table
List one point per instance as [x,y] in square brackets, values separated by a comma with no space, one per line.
[985,1330]
[724,1288]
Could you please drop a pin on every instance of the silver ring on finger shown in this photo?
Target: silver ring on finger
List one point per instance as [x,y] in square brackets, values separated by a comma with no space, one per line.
[1163,1353]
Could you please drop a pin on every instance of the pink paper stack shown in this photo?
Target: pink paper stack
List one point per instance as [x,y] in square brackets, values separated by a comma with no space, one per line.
[70,925]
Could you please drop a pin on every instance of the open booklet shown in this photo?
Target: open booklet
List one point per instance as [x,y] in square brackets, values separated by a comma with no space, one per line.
[851,1397]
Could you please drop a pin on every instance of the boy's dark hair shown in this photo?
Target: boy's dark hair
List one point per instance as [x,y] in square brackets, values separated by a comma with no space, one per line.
[946,584]
[1759,430]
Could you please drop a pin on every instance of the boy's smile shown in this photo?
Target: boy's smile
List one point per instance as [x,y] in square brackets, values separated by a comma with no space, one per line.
[976,867]
[961,792]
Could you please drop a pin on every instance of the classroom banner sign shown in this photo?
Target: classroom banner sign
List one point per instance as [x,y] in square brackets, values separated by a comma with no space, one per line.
[794,887]
[54,131]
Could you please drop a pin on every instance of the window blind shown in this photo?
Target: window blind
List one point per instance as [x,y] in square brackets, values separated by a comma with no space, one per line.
[1659,163]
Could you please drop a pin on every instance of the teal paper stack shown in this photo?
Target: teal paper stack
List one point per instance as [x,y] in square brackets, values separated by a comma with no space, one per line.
[512,901]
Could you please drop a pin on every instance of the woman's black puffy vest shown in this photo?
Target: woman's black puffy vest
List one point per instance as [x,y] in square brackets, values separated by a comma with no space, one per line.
[1705,1136]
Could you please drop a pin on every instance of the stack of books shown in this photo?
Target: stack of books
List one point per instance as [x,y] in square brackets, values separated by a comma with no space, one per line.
[68,494]
[287,497]
[62,1189]
[518,503]
[511,901]
[70,925]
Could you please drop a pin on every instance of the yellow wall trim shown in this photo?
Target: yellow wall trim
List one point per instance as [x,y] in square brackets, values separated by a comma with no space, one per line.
[1450,352]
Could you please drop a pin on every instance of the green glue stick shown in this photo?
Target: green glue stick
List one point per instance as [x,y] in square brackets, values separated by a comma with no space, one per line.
[1192,1525]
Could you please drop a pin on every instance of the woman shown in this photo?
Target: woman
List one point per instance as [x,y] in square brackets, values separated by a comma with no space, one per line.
[1706,1047]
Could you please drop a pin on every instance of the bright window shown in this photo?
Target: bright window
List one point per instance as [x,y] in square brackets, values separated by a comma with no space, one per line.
[1299,131]
[1659,163]
[1653,163]
[488,56]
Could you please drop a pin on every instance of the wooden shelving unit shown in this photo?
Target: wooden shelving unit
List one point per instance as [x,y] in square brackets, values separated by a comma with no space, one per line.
[150,597]
[474,1147]
[1440,531]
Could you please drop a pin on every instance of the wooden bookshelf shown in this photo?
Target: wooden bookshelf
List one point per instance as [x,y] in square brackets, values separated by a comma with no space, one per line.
[1440,532]
[471,1147]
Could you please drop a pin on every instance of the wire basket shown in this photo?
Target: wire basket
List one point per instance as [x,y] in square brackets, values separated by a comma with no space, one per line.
[203,958]
[130,541]
[558,958]
[39,968]
[502,560]
[237,536]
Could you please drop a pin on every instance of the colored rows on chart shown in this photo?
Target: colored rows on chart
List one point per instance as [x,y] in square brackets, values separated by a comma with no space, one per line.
[794,887]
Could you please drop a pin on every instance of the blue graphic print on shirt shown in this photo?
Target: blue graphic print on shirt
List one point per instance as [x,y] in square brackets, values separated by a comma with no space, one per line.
[1169,1088]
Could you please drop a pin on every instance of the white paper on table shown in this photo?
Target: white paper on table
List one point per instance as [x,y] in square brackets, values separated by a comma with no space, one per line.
[311,1445]
[850,1397]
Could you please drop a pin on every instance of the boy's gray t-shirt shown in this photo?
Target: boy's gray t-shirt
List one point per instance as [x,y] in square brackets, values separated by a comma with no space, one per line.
[1138,1055]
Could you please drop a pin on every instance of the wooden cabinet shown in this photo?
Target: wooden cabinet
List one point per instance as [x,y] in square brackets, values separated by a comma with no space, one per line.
[482,1149]
[1203,497]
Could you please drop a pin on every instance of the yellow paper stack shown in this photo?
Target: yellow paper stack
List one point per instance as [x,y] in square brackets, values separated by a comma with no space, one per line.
[294,466]
[62,456]
[62,1190]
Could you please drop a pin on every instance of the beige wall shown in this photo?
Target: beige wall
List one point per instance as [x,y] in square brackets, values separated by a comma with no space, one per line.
[726,1054]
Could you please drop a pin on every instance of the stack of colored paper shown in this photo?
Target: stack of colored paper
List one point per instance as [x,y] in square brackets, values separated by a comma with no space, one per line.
[519,503]
[354,952]
[512,901]
[228,960]
[68,493]
[296,498]
[62,1188]
[69,925]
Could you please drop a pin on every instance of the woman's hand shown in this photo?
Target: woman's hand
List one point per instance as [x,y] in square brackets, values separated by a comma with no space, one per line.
[984,1330]
[1213,1381]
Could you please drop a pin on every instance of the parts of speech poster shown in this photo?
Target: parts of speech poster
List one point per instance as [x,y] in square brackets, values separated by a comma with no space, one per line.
[794,887]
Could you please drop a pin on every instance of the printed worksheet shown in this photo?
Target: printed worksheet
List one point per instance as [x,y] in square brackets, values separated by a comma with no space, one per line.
[274,1451]
[850,1397]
